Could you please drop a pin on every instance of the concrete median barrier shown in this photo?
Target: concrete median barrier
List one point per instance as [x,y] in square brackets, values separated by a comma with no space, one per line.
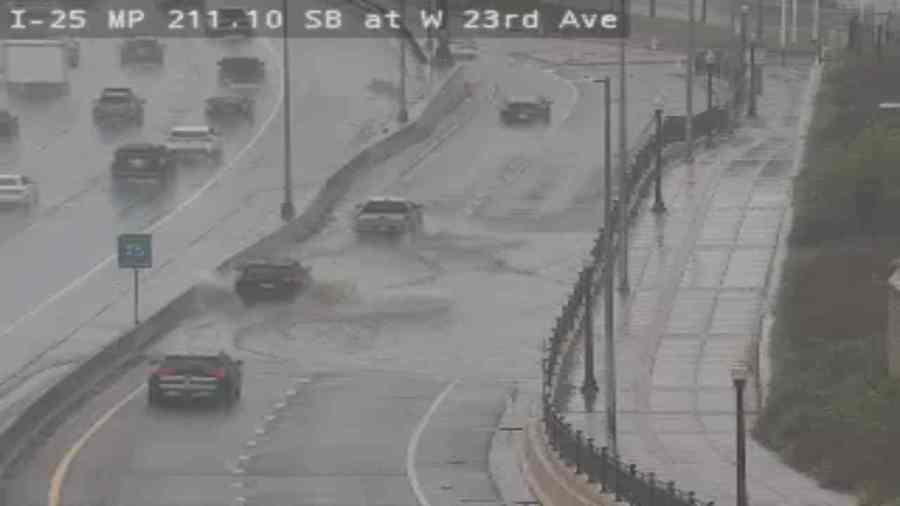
[450,92]
[44,414]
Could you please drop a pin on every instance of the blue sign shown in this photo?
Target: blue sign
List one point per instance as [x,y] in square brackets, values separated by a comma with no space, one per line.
[135,251]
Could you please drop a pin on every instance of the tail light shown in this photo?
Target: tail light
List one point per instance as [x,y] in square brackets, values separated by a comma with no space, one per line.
[219,374]
[165,371]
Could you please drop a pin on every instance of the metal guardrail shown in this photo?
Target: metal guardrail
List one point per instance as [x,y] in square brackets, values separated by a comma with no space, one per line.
[610,471]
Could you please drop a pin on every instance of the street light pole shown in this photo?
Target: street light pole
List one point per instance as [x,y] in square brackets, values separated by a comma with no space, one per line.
[443,57]
[589,385]
[287,207]
[402,113]
[793,21]
[689,102]
[610,273]
[751,107]
[739,378]
[658,205]
[710,61]
[745,9]
[624,186]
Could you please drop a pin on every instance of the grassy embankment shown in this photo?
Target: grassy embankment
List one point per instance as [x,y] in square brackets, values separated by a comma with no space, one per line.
[833,411]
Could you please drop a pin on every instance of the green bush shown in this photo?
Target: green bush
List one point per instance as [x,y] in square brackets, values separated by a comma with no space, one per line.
[846,146]
[832,412]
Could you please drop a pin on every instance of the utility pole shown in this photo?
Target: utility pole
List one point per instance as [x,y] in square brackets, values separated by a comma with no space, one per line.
[624,186]
[287,207]
[703,11]
[689,102]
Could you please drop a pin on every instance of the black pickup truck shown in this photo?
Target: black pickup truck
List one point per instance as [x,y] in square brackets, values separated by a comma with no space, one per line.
[189,378]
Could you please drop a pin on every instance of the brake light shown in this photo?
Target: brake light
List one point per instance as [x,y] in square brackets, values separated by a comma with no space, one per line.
[219,374]
[165,371]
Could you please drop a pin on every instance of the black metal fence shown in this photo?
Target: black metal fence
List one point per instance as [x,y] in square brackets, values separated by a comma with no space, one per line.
[613,474]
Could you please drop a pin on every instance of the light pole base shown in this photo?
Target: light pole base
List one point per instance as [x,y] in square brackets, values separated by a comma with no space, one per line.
[658,207]
[287,211]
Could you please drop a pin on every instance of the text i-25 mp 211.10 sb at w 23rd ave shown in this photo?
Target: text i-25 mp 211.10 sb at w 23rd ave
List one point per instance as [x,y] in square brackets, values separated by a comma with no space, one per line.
[555,22]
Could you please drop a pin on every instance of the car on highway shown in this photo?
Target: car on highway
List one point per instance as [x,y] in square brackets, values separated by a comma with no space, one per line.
[143,161]
[525,109]
[118,105]
[242,72]
[17,191]
[189,141]
[388,215]
[142,50]
[270,279]
[228,106]
[9,125]
[189,378]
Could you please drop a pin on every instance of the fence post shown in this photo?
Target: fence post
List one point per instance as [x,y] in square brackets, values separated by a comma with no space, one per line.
[651,488]
[577,451]
[591,469]
[670,493]
[632,472]
[617,473]
[604,466]
[691,500]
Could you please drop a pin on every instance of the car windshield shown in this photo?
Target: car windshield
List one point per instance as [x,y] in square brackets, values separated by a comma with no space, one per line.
[189,134]
[385,207]
[115,96]
[241,65]
[266,272]
[9,181]
[137,160]
[199,363]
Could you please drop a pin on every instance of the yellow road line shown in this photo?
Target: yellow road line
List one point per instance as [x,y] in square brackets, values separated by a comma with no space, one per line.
[54,496]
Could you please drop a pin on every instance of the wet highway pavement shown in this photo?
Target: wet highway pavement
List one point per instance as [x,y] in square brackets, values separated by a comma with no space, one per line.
[402,344]
[58,256]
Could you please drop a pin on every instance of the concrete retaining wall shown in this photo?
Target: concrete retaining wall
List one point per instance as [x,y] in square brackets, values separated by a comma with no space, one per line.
[42,416]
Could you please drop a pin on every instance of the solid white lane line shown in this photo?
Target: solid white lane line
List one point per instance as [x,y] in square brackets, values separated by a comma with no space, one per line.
[164,219]
[411,474]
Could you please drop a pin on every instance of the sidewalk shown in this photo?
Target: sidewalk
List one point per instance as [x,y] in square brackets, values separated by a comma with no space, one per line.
[699,276]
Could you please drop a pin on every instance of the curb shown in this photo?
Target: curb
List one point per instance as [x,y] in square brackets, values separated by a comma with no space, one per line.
[763,371]
[43,415]
[553,482]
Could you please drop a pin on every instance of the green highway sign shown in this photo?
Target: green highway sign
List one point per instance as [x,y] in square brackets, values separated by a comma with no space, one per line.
[135,251]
